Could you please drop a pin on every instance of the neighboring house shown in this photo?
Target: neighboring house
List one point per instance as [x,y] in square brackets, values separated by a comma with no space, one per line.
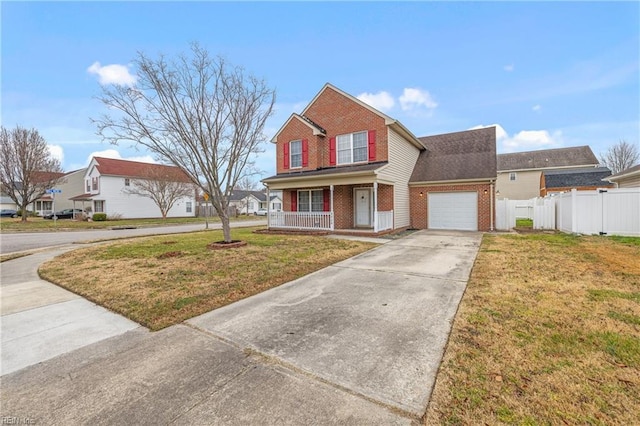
[275,203]
[7,203]
[344,166]
[519,173]
[629,178]
[554,181]
[70,184]
[247,202]
[42,205]
[106,189]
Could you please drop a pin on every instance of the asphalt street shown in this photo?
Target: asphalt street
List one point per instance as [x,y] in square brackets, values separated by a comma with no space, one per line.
[21,241]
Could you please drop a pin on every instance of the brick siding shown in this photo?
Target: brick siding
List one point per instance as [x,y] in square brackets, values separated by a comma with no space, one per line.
[419,208]
[338,115]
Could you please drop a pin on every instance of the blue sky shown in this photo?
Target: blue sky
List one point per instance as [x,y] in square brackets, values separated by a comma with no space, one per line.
[550,74]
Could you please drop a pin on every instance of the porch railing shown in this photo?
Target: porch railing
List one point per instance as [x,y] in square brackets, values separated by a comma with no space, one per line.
[384,221]
[302,220]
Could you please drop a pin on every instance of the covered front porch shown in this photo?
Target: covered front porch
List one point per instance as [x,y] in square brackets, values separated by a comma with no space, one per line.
[364,208]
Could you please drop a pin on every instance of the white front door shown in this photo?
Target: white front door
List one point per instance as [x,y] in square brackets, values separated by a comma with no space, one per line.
[363,206]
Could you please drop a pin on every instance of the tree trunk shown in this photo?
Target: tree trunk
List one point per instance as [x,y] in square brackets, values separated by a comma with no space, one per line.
[23,216]
[226,227]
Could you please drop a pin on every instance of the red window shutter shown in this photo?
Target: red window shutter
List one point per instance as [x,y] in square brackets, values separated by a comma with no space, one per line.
[372,145]
[305,152]
[286,155]
[294,201]
[326,198]
[332,151]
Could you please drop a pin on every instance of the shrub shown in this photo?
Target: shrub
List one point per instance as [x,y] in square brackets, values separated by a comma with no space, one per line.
[99,217]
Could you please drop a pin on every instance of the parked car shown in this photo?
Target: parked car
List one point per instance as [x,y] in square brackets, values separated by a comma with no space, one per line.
[260,212]
[65,214]
[8,213]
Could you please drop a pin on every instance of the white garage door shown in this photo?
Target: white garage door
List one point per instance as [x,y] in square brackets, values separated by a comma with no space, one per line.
[453,210]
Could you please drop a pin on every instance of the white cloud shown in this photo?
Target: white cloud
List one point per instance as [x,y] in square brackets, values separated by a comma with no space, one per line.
[112,153]
[56,152]
[382,101]
[112,74]
[536,108]
[509,67]
[414,98]
[525,140]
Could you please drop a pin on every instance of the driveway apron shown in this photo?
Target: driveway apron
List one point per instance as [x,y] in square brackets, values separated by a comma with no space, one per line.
[375,325]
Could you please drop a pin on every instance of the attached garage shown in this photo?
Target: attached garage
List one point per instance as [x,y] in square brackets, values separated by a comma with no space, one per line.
[453,210]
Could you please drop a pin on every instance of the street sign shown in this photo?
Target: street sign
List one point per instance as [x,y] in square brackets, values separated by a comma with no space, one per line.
[53,191]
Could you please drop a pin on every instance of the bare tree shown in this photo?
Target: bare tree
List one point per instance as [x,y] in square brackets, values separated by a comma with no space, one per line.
[620,156]
[197,112]
[247,184]
[164,185]
[27,168]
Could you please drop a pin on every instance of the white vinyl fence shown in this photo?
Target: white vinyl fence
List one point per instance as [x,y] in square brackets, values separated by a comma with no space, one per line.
[600,212]
[507,211]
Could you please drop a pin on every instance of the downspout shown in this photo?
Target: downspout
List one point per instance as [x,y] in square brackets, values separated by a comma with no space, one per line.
[491,196]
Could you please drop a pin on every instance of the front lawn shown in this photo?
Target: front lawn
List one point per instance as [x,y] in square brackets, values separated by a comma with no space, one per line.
[547,333]
[161,281]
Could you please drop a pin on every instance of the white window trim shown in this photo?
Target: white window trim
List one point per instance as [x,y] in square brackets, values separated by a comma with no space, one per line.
[515,176]
[291,166]
[351,148]
[310,191]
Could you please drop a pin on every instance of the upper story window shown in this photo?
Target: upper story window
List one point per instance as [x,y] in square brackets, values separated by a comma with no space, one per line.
[295,150]
[127,182]
[94,183]
[88,186]
[512,176]
[352,148]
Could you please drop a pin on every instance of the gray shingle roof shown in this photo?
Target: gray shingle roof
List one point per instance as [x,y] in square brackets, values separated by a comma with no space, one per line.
[470,154]
[330,171]
[545,158]
[240,194]
[627,171]
[576,178]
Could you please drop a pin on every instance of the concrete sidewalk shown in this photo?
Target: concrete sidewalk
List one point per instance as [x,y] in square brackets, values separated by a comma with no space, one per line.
[41,320]
[358,342]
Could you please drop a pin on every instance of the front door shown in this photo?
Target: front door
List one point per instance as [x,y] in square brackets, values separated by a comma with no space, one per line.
[363,207]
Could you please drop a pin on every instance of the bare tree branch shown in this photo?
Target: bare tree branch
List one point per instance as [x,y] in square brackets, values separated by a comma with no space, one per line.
[196,112]
[620,156]
[163,185]
[27,168]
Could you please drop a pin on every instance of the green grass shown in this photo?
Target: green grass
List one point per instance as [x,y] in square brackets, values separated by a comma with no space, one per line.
[524,223]
[163,280]
[548,332]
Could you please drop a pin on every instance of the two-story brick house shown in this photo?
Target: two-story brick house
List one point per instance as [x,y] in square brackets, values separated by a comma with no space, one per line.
[344,166]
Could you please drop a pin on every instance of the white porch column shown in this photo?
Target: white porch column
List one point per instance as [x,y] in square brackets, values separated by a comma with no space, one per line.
[331,207]
[268,208]
[375,206]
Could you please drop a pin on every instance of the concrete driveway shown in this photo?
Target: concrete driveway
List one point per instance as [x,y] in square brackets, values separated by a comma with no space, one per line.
[358,342]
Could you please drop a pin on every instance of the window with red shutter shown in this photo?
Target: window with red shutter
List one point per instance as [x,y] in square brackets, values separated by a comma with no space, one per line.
[286,155]
[305,152]
[332,151]
[372,145]
[326,200]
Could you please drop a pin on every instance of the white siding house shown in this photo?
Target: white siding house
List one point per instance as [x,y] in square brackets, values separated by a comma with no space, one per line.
[106,190]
